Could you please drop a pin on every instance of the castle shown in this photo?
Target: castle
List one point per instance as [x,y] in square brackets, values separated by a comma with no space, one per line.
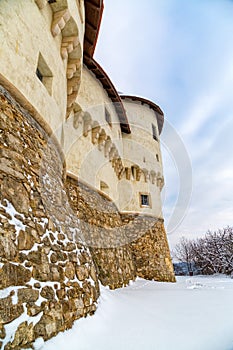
[80,173]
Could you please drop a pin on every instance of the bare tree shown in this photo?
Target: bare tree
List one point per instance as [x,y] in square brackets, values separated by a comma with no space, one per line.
[211,254]
[183,253]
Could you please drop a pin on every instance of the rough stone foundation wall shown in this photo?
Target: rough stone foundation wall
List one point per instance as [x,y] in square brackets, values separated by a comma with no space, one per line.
[101,224]
[57,241]
[47,276]
[149,247]
[122,246]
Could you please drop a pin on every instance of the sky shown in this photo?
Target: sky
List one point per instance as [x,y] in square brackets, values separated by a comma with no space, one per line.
[179,54]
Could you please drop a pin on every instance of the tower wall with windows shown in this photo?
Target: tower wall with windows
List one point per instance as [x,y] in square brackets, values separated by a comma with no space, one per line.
[142,182]
[93,140]
[41,56]
[80,173]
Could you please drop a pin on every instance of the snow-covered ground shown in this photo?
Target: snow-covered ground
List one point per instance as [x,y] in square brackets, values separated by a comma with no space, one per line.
[195,313]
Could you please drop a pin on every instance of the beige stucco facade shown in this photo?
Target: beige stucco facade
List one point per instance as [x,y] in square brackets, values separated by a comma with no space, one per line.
[38,38]
[142,155]
[75,105]
[80,173]
[89,138]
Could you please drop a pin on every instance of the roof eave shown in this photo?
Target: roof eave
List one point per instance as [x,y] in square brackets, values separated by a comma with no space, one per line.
[107,84]
[152,105]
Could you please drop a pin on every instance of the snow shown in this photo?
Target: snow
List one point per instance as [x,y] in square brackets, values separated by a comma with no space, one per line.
[39,343]
[12,327]
[14,221]
[194,313]
[4,293]
[43,222]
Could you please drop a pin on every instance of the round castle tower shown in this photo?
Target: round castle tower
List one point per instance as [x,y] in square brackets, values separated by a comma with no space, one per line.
[143,180]
[80,173]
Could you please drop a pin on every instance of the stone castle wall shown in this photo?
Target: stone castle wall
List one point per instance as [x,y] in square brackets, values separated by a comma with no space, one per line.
[123,246]
[59,239]
[101,224]
[47,276]
[149,246]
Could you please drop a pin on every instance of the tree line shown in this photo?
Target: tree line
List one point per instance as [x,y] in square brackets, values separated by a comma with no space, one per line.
[208,255]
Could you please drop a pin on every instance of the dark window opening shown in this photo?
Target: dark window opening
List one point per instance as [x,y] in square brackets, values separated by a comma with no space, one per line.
[145,200]
[44,73]
[39,74]
[104,187]
[154,132]
[51,1]
[157,157]
[108,117]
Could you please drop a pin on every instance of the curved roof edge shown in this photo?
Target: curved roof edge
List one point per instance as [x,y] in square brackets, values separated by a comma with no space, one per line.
[152,105]
[102,76]
[93,16]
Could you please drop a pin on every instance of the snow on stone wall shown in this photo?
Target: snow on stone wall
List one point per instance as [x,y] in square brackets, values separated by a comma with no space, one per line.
[58,240]
[47,276]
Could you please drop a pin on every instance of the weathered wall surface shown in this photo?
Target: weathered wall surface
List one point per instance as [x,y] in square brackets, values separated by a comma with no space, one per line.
[58,240]
[33,29]
[90,141]
[101,224]
[141,150]
[29,35]
[87,160]
[123,246]
[149,246]
[95,103]
[141,117]
[47,276]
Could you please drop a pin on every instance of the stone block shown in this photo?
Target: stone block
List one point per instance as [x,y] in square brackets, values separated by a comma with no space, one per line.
[26,295]
[70,270]
[8,248]
[8,311]
[81,272]
[24,335]
[47,292]
[13,275]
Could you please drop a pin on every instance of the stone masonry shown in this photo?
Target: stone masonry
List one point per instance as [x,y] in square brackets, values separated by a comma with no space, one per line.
[122,246]
[47,277]
[59,237]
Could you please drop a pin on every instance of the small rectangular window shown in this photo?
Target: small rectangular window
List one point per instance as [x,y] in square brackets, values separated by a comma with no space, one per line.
[44,74]
[108,117]
[154,132]
[157,157]
[145,200]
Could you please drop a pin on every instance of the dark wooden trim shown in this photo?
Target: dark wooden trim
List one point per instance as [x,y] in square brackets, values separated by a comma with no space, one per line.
[93,15]
[150,104]
[102,76]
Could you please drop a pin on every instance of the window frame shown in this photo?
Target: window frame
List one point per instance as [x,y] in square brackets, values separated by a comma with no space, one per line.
[107,116]
[44,74]
[154,132]
[149,205]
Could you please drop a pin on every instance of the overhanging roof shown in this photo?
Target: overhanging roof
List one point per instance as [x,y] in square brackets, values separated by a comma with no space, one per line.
[93,15]
[102,76]
[152,105]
